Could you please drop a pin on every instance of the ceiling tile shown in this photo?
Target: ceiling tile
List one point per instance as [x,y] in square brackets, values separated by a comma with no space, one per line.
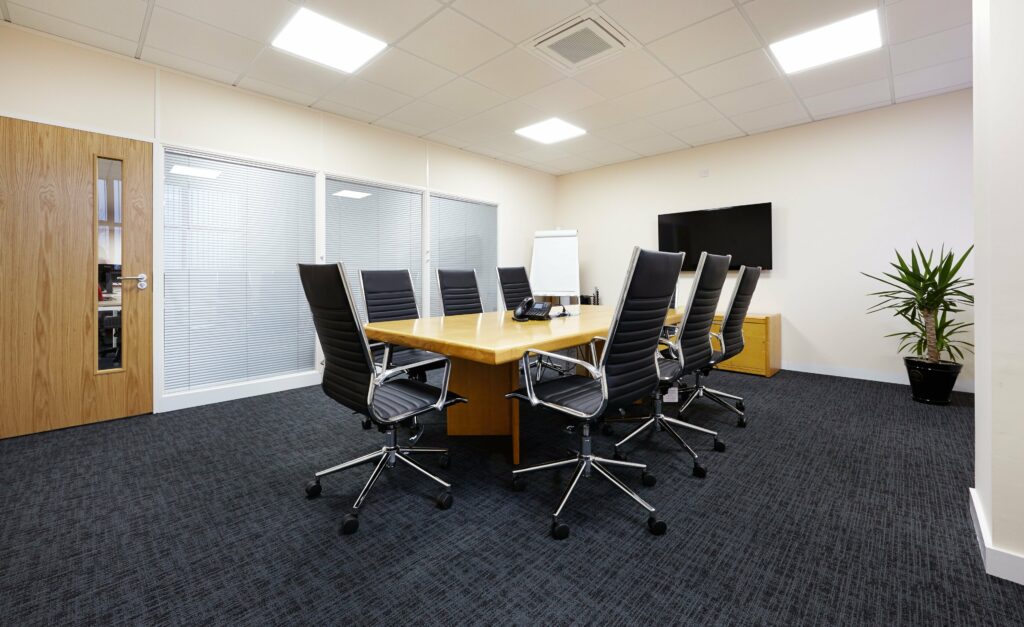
[259,20]
[572,164]
[277,91]
[628,71]
[502,120]
[689,115]
[865,68]
[367,96]
[722,37]
[544,154]
[293,73]
[652,19]
[656,145]
[758,96]
[942,47]
[192,39]
[345,111]
[588,143]
[948,76]
[657,98]
[387,20]
[849,99]
[634,129]
[515,73]
[71,30]
[562,97]
[401,127]
[454,42]
[910,19]
[710,132]
[121,18]
[506,144]
[776,20]
[424,115]
[611,154]
[521,19]
[773,117]
[742,71]
[601,115]
[448,140]
[190,66]
[465,97]
[406,73]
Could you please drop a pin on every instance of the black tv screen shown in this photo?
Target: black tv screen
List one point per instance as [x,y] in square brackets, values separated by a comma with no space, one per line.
[744,231]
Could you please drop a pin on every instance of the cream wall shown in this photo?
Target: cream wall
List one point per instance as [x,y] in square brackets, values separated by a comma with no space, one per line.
[845,191]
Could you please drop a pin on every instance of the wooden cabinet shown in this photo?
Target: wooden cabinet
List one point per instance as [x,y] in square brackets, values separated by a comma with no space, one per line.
[762,345]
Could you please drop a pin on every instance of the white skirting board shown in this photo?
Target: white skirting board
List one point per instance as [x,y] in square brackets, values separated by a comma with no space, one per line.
[962,384]
[234,391]
[998,562]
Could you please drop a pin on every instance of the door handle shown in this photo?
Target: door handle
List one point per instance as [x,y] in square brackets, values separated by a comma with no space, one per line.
[141,278]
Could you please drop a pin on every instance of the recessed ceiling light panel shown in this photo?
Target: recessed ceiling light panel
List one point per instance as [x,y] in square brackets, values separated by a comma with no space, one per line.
[324,41]
[348,193]
[188,170]
[550,131]
[833,42]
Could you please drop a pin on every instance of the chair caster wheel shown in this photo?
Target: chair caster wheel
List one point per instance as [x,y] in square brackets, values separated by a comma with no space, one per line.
[720,446]
[444,461]
[606,429]
[648,479]
[741,423]
[313,489]
[444,500]
[740,406]
[699,471]
[559,530]
[367,424]
[518,485]
[619,456]
[349,525]
[656,527]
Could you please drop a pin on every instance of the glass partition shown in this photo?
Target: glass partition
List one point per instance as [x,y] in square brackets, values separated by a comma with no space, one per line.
[109,227]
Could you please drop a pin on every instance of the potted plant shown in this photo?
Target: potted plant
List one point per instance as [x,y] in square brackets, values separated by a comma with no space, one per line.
[927,293]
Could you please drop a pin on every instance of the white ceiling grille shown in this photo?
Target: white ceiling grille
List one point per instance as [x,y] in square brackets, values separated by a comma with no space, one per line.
[580,41]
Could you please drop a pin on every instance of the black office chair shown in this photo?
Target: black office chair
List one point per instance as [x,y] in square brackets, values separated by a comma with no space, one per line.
[690,351]
[350,378]
[626,372]
[459,292]
[730,341]
[389,295]
[513,287]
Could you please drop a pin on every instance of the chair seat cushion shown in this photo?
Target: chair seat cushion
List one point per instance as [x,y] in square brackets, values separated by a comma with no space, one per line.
[575,392]
[401,396]
[669,369]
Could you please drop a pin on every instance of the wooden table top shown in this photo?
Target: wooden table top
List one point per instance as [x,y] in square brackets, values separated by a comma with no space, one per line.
[494,337]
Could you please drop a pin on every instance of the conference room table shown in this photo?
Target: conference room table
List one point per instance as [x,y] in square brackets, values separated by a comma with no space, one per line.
[485,350]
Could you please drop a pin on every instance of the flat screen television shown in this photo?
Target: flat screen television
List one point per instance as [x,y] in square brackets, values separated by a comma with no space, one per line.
[744,231]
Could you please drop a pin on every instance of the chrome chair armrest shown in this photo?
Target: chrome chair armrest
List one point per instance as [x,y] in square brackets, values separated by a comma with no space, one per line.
[532,395]
[438,406]
[721,340]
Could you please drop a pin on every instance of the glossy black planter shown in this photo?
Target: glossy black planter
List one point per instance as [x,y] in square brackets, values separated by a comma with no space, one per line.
[931,383]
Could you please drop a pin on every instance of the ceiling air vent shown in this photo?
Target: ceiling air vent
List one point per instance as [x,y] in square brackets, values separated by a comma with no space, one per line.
[580,41]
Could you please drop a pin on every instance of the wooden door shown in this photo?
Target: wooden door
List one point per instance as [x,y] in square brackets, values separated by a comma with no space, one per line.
[75,340]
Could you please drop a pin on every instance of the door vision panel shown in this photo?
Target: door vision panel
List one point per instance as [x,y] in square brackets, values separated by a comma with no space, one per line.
[75,316]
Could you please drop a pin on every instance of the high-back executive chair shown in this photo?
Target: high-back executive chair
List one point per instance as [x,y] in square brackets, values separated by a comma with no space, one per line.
[627,371]
[459,292]
[513,287]
[351,379]
[690,351]
[730,342]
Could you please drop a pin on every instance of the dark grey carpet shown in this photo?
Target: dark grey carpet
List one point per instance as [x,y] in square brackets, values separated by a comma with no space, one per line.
[843,503]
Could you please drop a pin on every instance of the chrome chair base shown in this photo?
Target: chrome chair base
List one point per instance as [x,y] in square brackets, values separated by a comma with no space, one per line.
[585,463]
[387,457]
[699,390]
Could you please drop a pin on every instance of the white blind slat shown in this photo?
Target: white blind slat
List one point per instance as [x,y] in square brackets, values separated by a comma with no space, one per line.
[464,235]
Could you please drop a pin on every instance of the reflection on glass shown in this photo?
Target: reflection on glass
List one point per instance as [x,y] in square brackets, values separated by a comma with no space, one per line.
[108,259]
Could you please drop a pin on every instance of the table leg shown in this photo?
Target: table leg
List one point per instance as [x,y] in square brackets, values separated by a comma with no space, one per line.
[488,412]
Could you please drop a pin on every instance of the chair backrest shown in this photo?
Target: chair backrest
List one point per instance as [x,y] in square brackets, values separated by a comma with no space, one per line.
[732,323]
[459,293]
[694,333]
[628,363]
[348,371]
[388,295]
[513,287]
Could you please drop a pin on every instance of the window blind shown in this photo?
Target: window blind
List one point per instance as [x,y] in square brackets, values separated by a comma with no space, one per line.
[234,309]
[372,227]
[464,235]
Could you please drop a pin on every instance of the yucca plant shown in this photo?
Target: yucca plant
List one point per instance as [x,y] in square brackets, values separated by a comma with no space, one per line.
[925,292]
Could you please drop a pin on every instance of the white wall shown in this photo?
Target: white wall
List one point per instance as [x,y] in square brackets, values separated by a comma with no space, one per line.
[845,192]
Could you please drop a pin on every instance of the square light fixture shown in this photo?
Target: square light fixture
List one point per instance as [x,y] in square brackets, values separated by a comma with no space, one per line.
[324,41]
[550,131]
[348,193]
[832,42]
[188,170]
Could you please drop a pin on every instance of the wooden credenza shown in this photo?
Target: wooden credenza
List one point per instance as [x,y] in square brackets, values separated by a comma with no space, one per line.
[762,345]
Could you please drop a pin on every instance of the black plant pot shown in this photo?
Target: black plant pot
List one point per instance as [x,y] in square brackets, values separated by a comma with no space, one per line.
[931,383]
